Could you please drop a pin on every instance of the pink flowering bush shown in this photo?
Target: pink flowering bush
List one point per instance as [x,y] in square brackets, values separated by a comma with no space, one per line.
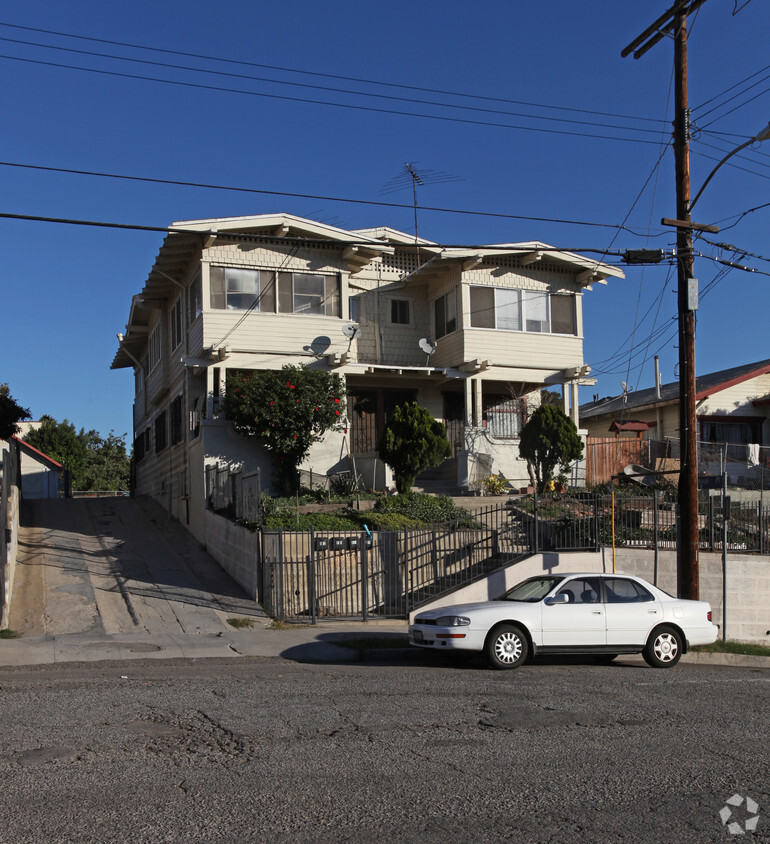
[287,410]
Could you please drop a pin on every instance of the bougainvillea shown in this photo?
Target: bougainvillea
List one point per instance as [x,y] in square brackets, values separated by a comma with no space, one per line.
[287,410]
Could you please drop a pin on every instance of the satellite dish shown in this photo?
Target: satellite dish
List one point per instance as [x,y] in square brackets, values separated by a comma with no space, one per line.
[352,332]
[428,346]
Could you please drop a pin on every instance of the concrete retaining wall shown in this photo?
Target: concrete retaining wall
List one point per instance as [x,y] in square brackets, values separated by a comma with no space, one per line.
[235,549]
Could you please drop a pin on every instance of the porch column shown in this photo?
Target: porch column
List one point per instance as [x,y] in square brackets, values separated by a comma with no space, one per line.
[478,406]
[574,386]
[468,402]
[565,398]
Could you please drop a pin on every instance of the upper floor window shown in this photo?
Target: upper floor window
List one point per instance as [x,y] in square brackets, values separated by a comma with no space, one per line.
[399,311]
[153,349]
[242,290]
[309,293]
[522,310]
[354,307]
[176,324]
[256,290]
[445,313]
[194,298]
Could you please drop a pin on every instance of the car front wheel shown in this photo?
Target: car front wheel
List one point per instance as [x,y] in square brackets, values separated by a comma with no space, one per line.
[506,647]
[664,648]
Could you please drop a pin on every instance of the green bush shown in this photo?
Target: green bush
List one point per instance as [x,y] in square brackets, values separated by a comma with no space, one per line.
[424,509]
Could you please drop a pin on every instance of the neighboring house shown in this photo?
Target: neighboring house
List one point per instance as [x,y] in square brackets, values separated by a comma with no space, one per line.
[39,472]
[254,293]
[732,409]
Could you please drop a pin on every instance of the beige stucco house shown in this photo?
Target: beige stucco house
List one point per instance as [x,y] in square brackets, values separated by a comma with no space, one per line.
[733,417]
[502,321]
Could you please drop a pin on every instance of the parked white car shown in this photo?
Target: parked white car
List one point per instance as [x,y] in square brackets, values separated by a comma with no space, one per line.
[582,613]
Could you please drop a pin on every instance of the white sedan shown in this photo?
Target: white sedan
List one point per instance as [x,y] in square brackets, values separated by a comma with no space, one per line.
[600,614]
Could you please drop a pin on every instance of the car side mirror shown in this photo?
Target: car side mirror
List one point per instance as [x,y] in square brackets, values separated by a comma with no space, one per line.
[561,598]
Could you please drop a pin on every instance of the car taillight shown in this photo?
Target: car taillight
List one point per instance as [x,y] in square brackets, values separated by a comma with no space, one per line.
[708,615]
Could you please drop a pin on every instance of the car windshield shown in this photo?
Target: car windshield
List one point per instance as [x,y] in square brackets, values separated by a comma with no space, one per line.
[532,590]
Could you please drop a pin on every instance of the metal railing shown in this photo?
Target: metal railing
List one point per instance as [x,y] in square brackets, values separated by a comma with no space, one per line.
[389,573]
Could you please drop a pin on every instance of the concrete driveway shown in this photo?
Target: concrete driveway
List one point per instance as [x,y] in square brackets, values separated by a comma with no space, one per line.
[112,566]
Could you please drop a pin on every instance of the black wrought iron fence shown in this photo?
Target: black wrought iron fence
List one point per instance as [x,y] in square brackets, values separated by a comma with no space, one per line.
[316,574]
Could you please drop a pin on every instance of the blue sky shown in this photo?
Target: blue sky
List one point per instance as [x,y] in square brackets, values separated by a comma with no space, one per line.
[66,289]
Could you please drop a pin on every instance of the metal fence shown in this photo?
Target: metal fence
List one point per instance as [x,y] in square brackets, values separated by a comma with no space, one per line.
[387,574]
[746,466]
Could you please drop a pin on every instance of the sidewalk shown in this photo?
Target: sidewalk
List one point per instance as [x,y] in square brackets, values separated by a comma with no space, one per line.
[300,643]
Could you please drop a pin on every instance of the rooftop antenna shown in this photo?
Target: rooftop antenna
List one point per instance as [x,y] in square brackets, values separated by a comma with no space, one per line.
[425,177]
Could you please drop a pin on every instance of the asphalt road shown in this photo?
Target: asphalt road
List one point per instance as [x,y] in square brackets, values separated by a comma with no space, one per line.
[269,750]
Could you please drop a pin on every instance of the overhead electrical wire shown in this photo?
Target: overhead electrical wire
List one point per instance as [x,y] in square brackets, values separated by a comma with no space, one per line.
[293,195]
[320,74]
[307,100]
[326,88]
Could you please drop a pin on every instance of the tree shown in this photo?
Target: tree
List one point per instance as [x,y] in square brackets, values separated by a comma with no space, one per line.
[95,463]
[10,413]
[412,441]
[287,410]
[107,464]
[549,438]
[61,441]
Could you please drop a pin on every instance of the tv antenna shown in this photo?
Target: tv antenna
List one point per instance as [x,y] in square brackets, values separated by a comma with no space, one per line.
[410,175]
[429,347]
[352,332]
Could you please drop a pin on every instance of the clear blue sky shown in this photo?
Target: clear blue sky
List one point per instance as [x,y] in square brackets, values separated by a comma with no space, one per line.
[66,289]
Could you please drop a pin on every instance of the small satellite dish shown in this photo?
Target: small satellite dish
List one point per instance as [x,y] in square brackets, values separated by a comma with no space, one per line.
[428,346]
[352,332]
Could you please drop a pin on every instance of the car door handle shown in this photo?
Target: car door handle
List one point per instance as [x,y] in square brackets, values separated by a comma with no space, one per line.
[596,612]
[652,612]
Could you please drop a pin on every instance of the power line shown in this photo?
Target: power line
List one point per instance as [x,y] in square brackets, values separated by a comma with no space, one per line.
[369,202]
[352,241]
[307,100]
[319,74]
[326,87]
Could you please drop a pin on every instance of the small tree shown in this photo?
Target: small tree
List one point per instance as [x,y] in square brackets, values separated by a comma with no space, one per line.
[62,442]
[412,441]
[550,438]
[287,411]
[10,413]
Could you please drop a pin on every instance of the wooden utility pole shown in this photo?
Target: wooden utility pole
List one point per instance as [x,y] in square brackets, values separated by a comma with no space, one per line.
[688,302]
[674,23]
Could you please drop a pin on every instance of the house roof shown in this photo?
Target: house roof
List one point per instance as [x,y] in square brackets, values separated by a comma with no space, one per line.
[705,386]
[38,455]
[187,238]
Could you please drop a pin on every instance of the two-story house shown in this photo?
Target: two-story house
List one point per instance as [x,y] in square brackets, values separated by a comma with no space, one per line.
[472,334]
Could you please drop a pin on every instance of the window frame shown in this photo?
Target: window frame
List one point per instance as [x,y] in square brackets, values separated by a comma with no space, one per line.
[447,325]
[515,308]
[396,304]
[176,328]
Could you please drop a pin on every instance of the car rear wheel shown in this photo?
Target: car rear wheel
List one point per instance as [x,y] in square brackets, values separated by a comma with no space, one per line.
[664,648]
[506,647]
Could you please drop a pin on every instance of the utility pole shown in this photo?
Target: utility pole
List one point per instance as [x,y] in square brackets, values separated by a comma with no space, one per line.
[674,23]
[687,304]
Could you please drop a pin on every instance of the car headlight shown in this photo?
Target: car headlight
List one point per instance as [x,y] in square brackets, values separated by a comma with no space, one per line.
[453,621]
